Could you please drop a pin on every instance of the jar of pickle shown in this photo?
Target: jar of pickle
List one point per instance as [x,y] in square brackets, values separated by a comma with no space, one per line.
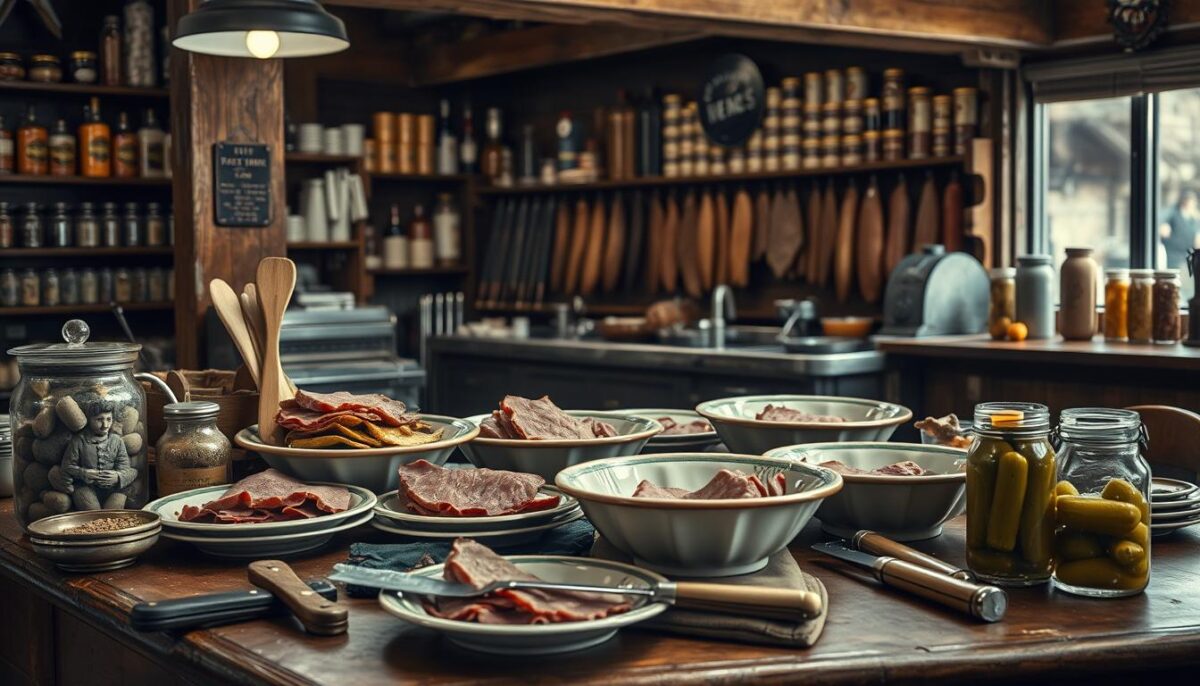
[1141,305]
[1002,309]
[1010,480]
[1101,504]
[1167,320]
[45,69]
[1116,305]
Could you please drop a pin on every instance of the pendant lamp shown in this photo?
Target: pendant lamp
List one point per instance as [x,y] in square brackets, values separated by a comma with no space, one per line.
[261,28]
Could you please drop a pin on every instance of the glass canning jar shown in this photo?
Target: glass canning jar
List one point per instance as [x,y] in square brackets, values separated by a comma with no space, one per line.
[192,452]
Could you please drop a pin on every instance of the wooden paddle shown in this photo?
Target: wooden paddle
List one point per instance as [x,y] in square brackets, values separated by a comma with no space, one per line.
[229,310]
[276,279]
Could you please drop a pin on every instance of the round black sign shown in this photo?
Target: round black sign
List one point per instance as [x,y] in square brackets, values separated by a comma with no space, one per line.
[731,100]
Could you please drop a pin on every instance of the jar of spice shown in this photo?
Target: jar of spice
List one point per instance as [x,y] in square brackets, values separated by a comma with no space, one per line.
[1002,309]
[872,120]
[1079,281]
[10,288]
[87,227]
[192,452]
[893,145]
[1167,324]
[45,69]
[1101,505]
[139,43]
[131,226]
[11,67]
[8,232]
[966,116]
[1035,285]
[943,118]
[89,287]
[811,153]
[156,285]
[831,151]
[122,286]
[1116,305]
[835,90]
[893,99]
[156,226]
[31,227]
[831,118]
[856,83]
[69,287]
[1141,305]
[1011,471]
[31,288]
[814,89]
[51,295]
[810,123]
[84,67]
[61,231]
[110,226]
[105,289]
[852,151]
[110,50]
[852,117]
[919,122]
[139,285]
[871,146]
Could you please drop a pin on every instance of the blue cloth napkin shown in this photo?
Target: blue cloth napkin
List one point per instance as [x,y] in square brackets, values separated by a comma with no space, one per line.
[573,539]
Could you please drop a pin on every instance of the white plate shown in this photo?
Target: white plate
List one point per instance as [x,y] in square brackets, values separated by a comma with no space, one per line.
[169,507]
[1174,516]
[391,507]
[1170,489]
[1174,505]
[535,639]
[1170,527]
[494,538]
[265,547]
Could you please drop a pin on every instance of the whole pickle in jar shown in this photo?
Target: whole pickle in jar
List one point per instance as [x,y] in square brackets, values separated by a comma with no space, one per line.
[1123,491]
[981,483]
[1126,553]
[1098,572]
[1037,516]
[991,562]
[1097,515]
[1070,546]
[1004,520]
[1140,535]
[1065,488]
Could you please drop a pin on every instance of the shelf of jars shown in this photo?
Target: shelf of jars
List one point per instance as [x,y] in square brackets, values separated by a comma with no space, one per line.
[48,180]
[83,308]
[120,251]
[85,90]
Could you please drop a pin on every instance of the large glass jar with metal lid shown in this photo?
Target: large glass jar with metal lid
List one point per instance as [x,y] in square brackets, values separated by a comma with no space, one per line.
[1101,504]
[78,425]
[192,452]
[1010,481]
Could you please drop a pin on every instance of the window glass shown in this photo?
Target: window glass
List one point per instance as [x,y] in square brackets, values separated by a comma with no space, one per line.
[1178,182]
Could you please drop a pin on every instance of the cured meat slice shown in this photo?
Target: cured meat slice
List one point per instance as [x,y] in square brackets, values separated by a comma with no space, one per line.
[472,492]
[647,489]
[474,564]
[726,484]
[248,499]
[539,420]
[844,254]
[311,421]
[673,428]
[906,468]
[599,429]
[780,413]
[741,235]
[392,412]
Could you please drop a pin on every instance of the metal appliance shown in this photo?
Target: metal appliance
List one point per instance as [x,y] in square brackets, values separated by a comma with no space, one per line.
[936,293]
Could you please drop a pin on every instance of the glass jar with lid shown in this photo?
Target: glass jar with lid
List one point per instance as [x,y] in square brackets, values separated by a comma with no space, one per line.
[87,227]
[11,67]
[1002,309]
[1116,305]
[1141,305]
[61,231]
[1101,504]
[1035,287]
[192,452]
[45,68]
[78,425]
[1167,321]
[110,226]
[84,66]
[51,292]
[1010,480]
[31,227]
[10,288]
[68,286]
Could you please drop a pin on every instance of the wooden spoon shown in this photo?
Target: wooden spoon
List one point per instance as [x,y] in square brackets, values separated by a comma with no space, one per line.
[252,309]
[276,279]
[229,310]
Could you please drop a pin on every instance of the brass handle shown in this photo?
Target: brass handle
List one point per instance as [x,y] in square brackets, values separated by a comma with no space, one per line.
[755,601]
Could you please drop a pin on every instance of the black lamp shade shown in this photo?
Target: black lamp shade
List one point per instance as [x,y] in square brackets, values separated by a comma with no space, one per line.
[219,27]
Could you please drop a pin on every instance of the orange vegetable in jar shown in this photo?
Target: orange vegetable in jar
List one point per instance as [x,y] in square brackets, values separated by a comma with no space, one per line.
[1116,305]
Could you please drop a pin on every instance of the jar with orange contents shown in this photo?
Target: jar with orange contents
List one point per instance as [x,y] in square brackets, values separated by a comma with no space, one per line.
[1116,305]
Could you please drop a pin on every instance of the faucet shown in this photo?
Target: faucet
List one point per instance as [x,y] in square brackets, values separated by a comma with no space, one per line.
[722,308]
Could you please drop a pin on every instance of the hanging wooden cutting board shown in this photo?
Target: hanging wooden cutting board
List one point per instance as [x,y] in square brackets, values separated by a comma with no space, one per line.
[688,255]
[654,238]
[952,214]
[579,235]
[721,253]
[741,238]
[594,258]
[614,245]
[635,241]
[844,252]
[669,271]
[706,239]
[762,224]
[870,243]
[927,228]
[796,219]
[812,256]
[562,246]
[829,226]
[897,226]
[785,235]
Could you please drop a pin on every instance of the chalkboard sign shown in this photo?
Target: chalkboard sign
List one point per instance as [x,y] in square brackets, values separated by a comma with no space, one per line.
[242,184]
[731,100]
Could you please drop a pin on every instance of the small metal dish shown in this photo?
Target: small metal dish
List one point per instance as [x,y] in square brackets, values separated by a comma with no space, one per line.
[93,552]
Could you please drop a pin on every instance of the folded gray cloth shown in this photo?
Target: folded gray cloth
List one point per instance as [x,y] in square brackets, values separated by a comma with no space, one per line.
[781,571]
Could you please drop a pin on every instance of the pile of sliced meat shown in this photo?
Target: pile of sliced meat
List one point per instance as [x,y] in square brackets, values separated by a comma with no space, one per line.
[906,468]
[674,428]
[345,420]
[269,496]
[540,420]
[725,485]
[781,413]
[428,489]
[475,564]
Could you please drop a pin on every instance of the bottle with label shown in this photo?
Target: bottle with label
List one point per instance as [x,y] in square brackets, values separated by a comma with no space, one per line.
[33,146]
[110,51]
[192,452]
[125,149]
[150,147]
[110,226]
[468,152]
[61,231]
[50,292]
[446,231]
[95,143]
[31,227]
[493,150]
[395,243]
[8,231]
[89,287]
[447,144]
[8,162]
[568,135]
[62,150]
[156,226]
[528,160]
[87,227]
[420,240]
[31,288]
[131,226]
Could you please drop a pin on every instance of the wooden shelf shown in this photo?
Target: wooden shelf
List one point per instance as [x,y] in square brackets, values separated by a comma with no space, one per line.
[432,271]
[323,245]
[655,181]
[420,178]
[82,309]
[165,250]
[317,158]
[47,180]
[86,89]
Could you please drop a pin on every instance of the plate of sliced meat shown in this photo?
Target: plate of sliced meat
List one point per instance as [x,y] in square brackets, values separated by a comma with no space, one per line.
[513,622]
[537,437]
[683,430]
[756,424]
[507,537]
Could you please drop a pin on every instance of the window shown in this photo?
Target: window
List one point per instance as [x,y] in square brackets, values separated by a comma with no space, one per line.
[1178,181]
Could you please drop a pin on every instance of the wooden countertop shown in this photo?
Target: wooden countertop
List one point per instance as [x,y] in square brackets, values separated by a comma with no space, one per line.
[872,635]
[1088,353]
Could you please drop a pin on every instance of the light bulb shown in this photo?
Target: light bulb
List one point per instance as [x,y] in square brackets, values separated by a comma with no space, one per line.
[262,44]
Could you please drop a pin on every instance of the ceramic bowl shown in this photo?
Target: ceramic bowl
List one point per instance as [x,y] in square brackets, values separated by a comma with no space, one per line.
[94,552]
[867,420]
[547,458]
[696,538]
[375,469]
[169,507]
[903,508]
[679,443]
[535,639]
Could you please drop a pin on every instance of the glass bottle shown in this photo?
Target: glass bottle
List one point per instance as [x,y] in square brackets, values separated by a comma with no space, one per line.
[131,226]
[61,231]
[568,136]
[156,285]
[468,151]
[1035,284]
[10,288]
[420,241]
[447,144]
[1167,320]
[122,285]
[83,66]
[69,287]
[105,285]
[31,288]
[1010,481]
[1002,309]
[32,234]
[1079,280]
[139,285]
[51,295]
[139,43]
[649,136]
[156,226]
[33,146]
[89,287]
[8,232]
[494,148]
[8,150]
[95,143]
[1101,504]
[192,452]
[125,149]
[150,147]
[1116,305]
[62,150]
[395,243]
[110,51]
[528,159]
[87,227]
[1141,305]
[110,226]
[446,231]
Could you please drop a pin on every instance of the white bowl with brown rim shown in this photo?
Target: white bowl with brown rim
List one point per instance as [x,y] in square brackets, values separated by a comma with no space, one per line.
[864,420]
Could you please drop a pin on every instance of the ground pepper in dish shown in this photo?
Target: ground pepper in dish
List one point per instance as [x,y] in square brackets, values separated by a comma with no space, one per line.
[104,524]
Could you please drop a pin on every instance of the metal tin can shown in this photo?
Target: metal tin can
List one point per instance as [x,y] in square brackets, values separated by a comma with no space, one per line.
[852,118]
[919,122]
[813,89]
[856,83]
[893,145]
[835,89]
[852,150]
[893,99]
[831,118]
[966,117]
[871,145]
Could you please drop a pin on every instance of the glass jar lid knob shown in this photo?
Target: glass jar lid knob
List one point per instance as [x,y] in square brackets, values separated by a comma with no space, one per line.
[76,332]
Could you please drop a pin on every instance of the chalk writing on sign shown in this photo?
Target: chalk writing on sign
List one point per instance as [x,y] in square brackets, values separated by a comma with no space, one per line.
[242,184]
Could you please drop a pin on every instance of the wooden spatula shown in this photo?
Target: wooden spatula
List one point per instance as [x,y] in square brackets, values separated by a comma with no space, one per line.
[252,309]
[229,310]
[276,279]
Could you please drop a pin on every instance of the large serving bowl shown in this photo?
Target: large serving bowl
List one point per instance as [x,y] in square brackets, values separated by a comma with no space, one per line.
[696,538]
[866,420]
[677,443]
[375,469]
[903,508]
[547,458]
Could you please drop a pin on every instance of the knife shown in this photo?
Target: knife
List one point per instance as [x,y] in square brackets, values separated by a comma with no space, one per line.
[878,544]
[987,603]
[319,615]
[213,609]
[758,601]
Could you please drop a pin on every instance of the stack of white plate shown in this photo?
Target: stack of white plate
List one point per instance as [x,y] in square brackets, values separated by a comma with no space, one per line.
[393,517]
[258,540]
[676,443]
[1174,505]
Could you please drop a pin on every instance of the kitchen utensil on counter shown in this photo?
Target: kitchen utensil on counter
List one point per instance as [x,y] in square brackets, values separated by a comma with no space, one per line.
[772,603]
[866,420]
[877,544]
[276,279]
[935,293]
[987,603]
[215,609]
[229,310]
[319,615]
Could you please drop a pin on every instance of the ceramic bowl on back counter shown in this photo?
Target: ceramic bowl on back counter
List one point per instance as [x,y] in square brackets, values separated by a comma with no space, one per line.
[902,506]
[375,469]
[737,420]
[697,537]
[547,457]
[677,435]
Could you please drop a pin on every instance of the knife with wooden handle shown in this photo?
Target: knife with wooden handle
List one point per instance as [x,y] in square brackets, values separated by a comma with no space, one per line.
[878,544]
[214,609]
[318,614]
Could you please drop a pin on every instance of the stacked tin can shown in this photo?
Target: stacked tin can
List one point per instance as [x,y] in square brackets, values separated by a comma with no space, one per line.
[789,123]
[919,122]
[699,140]
[810,125]
[406,143]
[426,144]
[831,120]
[943,116]
[672,116]
[772,130]
[687,141]
[871,135]
[855,89]
[892,111]
[384,125]
[966,118]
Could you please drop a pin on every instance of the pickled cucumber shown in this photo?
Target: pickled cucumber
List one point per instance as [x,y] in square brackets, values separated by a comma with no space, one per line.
[1097,515]
[1037,521]
[1126,553]
[990,562]
[1099,572]
[1123,491]
[1004,520]
[1065,488]
[1069,546]
[1140,535]
[981,482]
